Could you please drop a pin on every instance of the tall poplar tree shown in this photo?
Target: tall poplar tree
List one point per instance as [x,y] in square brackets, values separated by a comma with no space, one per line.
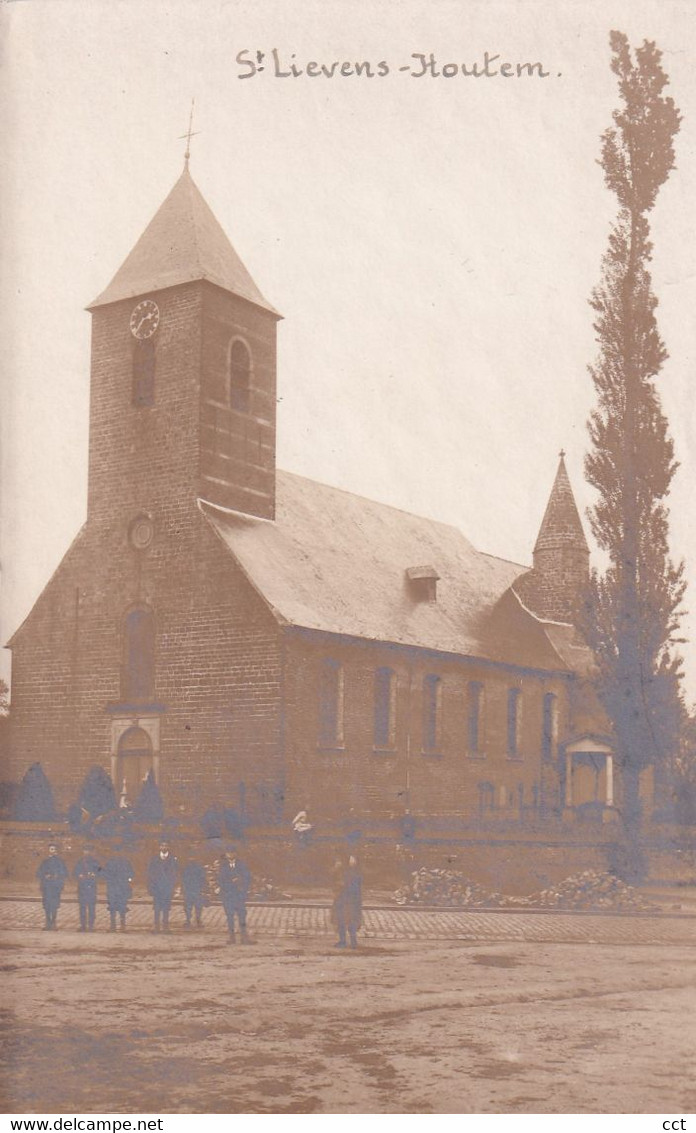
[633,609]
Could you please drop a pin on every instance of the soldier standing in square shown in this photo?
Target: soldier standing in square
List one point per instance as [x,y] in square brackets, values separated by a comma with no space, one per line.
[346,912]
[52,874]
[162,876]
[234,880]
[86,872]
[193,883]
[118,874]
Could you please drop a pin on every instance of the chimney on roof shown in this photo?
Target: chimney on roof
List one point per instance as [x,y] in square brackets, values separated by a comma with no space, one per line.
[422,583]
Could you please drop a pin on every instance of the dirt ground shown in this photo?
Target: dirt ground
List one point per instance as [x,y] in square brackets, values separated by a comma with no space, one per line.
[179,1024]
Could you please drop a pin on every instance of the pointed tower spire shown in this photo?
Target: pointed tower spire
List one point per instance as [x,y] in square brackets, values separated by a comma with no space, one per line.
[183,242]
[561,526]
[561,556]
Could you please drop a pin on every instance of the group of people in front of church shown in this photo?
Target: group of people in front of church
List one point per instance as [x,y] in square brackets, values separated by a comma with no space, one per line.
[165,875]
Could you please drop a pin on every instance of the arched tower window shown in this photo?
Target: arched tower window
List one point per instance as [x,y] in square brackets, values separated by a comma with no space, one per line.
[143,372]
[240,376]
[138,680]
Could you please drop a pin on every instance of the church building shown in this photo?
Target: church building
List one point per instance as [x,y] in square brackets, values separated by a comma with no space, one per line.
[262,641]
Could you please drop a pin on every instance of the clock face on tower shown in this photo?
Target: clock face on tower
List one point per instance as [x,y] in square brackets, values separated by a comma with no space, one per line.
[145,319]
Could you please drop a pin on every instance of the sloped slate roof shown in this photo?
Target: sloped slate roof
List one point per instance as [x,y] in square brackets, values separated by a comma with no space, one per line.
[337,562]
[183,242]
[561,525]
[571,646]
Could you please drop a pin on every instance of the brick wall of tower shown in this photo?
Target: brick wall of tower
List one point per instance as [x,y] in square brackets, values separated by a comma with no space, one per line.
[555,585]
[145,455]
[238,446]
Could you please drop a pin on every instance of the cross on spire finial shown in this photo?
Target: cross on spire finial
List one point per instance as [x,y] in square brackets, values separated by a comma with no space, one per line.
[188,135]
[562,453]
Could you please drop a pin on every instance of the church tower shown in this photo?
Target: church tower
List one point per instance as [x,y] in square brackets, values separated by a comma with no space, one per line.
[136,655]
[183,398]
[561,556]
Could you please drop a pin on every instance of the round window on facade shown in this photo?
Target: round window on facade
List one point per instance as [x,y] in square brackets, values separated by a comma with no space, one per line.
[140,532]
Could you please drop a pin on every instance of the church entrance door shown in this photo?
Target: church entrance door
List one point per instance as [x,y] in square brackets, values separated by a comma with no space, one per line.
[133,764]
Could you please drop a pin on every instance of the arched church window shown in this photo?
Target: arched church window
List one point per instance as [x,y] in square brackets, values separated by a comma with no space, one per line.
[432,713]
[144,372]
[514,715]
[385,708]
[549,727]
[240,376]
[330,704]
[474,717]
[138,681]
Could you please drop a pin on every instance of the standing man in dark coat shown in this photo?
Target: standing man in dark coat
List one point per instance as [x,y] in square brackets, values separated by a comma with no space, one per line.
[52,874]
[118,874]
[193,883]
[86,872]
[162,876]
[234,880]
[347,907]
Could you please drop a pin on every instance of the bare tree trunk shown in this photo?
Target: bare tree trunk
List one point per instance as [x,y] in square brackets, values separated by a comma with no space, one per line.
[630,862]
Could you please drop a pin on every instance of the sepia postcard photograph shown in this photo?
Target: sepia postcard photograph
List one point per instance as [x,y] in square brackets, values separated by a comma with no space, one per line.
[348,680]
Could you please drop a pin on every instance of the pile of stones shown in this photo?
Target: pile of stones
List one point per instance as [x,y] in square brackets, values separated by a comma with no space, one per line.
[445,887]
[265,890]
[590,890]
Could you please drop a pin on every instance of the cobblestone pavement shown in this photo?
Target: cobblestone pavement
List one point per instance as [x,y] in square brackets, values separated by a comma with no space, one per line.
[391,924]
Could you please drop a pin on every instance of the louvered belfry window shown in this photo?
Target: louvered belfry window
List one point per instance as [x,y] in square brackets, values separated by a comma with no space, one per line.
[144,373]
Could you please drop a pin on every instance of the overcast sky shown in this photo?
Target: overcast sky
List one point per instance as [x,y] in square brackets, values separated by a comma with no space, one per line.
[431,241]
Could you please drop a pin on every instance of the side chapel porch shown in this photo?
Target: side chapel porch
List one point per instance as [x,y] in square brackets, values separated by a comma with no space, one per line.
[589,780]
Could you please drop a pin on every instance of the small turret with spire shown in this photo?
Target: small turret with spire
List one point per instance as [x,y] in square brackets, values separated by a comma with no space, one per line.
[561,555]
